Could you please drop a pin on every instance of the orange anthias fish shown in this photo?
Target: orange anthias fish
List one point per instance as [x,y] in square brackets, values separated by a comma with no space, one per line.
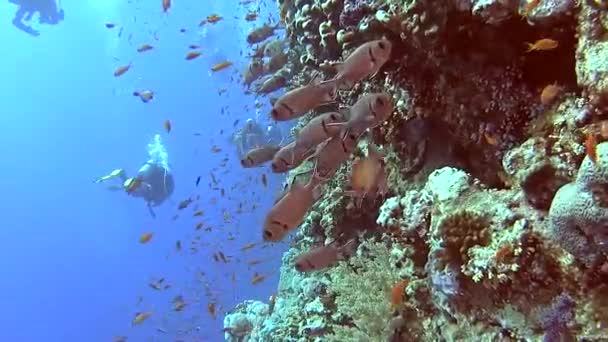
[529,7]
[192,55]
[166,5]
[140,317]
[549,93]
[591,147]
[167,126]
[144,48]
[214,18]
[221,66]
[212,310]
[146,237]
[257,278]
[542,45]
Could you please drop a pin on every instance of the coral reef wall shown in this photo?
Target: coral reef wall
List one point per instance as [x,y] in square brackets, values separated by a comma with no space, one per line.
[495,225]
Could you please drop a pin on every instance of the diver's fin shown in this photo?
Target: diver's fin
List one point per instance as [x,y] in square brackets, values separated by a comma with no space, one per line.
[151,211]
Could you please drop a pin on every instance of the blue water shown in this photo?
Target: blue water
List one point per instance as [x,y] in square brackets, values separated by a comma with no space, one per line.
[72,266]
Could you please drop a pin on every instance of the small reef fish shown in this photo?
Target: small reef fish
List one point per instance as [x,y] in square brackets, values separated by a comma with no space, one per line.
[299,101]
[144,48]
[145,95]
[251,16]
[194,46]
[221,66]
[259,156]
[211,19]
[398,294]
[119,339]
[198,213]
[366,60]
[272,84]
[178,303]
[248,246]
[212,310]
[260,34]
[257,278]
[167,125]
[275,63]
[366,175]
[110,25]
[529,7]
[121,70]
[157,285]
[542,45]
[549,93]
[591,147]
[146,237]
[254,71]
[178,246]
[140,317]
[185,203]
[166,5]
[320,258]
[289,211]
[192,55]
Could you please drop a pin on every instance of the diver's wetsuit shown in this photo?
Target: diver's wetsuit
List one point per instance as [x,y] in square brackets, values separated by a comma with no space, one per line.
[47,9]
[157,185]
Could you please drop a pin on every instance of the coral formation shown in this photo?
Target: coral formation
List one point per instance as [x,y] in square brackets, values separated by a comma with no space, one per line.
[495,224]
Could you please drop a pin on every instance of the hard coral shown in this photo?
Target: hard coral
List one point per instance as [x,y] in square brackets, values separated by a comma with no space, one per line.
[578,217]
[461,231]
[354,11]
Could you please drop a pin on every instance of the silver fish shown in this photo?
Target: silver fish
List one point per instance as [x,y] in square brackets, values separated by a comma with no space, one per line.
[288,158]
[297,102]
[259,156]
[366,60]
[323,257]
[331,153]
[289,211]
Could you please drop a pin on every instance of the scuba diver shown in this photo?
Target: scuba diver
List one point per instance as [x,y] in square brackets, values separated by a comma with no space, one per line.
[48,11]
[252,135]
[153,182]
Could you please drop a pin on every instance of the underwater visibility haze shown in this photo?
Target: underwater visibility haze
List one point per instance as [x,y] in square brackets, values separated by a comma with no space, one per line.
[304,170]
